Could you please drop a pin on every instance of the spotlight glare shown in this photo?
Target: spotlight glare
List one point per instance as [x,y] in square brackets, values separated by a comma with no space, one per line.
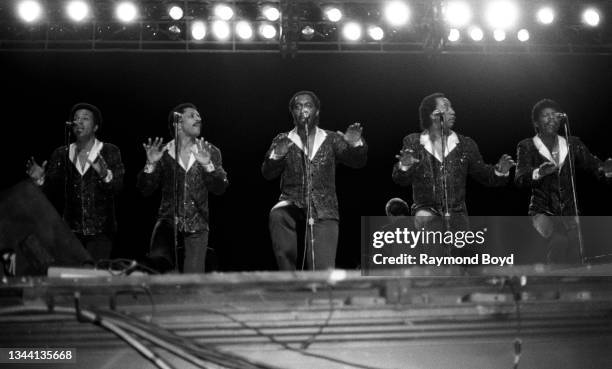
[29,10]
[476,34]
[457,13]
[499,35]
[376,33]
[308,32]
[244,30]
[333,14]
[397,13]
[352,31]
[271,13]
[523,35]
[221,29]
[454,35]
[77,10]
[175,12]
[591,17]
[224,12]
[268,31]
[546,15]
[126,11]
[198,30]
[502,14]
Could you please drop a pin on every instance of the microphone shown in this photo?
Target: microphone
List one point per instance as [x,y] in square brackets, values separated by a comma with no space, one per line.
[70,123]
[177,115]
[560,115]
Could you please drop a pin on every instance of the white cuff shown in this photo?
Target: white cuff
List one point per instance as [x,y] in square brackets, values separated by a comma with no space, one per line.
[273,156]
[149,168]
[40,181]
[500,174]
[357,144]
[536,174]
[109,176]
[210,167]
[608,175]
[403,168]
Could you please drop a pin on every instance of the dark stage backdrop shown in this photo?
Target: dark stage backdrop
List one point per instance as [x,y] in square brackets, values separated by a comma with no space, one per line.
[244,98]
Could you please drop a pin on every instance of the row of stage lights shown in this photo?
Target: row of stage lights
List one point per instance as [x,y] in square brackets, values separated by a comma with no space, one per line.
[501,15]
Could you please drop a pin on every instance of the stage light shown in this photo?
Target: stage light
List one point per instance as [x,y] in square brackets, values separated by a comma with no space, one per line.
[523,35]
[333,14]
[376,33]
[244,30]
[454,35]
[29,10]
[268,31]
[175,12]
[221,29]
[271,13]
[223,12]
[591,17]
[77,10]
[308,32]
[545,15]
[126,11]
[397,13]
[499,35]
[476,34]
[175,29]
[502,14]
[198,30]
[351,31]
[457,13]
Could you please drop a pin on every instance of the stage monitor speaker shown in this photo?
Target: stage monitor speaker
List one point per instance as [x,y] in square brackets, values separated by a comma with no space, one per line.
[33,236]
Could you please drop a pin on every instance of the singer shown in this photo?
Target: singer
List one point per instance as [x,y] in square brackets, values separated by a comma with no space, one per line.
[543,167]
[84,177]
[308,149]
[199,171]
[438,176]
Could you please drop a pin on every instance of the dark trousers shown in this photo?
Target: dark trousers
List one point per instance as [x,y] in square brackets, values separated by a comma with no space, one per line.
[99,245]
[191,252]
[562,234]
[287,230]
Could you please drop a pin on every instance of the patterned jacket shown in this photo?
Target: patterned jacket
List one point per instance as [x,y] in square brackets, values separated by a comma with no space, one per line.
[426,177]
[194,184]
[329,149]
[88,199]
[552,194]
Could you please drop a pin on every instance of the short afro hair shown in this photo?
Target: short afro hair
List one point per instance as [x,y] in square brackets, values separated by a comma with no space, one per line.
[428,105]
[397,207]
[541,105]
[180,108]
[92,108]
[312,95]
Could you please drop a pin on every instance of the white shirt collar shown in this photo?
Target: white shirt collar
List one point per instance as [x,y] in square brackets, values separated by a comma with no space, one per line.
[320,136]
[543,150]
[451,143]
[170,150]
[93,155]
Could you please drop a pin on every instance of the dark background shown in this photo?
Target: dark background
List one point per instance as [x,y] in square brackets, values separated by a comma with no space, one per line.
[243,99]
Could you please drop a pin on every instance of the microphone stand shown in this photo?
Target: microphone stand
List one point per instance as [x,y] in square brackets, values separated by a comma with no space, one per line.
[175,190]
[444,183]
[309,218]
[574,191]
[67,129]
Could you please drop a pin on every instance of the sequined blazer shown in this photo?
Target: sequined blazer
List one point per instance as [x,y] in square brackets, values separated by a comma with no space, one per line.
[88,200]
[194,184]
[332,149]
[426,177]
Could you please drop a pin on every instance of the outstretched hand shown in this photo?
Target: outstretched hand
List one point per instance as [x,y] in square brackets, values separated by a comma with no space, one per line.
[99,166]
[547,168]
[201,151]
[353,134]
[406,158]
[154,149]
[34,171]
[282,145]
[607,167]
[505,163]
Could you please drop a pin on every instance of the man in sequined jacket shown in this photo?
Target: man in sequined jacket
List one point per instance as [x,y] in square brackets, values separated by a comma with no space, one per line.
[420,164]
[199,171]
[543,167]
[86,176]
[290,157]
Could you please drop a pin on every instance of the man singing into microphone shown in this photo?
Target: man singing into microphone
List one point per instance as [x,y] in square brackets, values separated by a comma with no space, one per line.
[543,167]
[423,163]
[308,207]
[199,171]
[86,175]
